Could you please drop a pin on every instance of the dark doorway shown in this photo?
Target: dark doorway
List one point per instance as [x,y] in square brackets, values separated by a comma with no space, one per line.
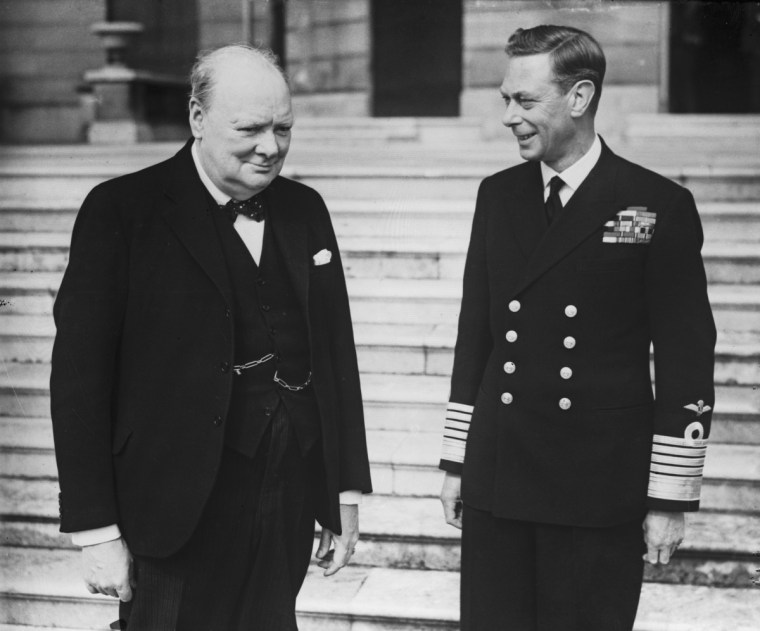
[715,57]
[170,41]
[416,57]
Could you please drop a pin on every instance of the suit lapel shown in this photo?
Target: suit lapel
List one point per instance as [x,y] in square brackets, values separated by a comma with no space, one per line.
[589,207]
[188,215]
[290,234]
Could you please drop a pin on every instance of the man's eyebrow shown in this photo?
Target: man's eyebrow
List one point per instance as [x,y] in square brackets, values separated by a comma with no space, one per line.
[249,121]
[520,96]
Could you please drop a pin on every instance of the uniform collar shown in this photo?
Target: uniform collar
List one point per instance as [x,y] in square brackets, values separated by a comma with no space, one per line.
[574,175]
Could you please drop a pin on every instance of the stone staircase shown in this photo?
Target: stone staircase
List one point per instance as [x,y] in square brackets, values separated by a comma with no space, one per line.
[401,194]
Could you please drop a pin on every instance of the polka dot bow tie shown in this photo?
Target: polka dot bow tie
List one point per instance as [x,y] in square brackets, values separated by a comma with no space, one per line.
[253,208]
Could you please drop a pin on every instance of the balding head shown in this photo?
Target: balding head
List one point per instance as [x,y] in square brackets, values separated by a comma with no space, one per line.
[211,64]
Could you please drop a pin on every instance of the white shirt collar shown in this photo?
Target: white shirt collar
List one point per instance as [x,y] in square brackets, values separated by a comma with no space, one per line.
[220,197]
[574,175]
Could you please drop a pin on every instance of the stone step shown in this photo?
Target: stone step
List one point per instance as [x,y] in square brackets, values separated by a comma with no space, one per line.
[414,403]
[368,257]
[388,131]
[429,350]
[389,300]
[679,127]
[417,403]
[24,627]
[316,136]
[363,176]
[42,588]
[410,533]
[721,221]
[424,301]
[726,263]
[405,464]
[28,293]
[385,348]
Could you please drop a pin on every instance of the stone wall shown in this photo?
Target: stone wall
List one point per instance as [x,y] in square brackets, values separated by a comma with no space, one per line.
[45,47]
[328,57]
[631,33]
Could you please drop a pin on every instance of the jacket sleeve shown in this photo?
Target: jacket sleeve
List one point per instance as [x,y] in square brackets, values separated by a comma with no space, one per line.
[88,314]
[683,336]
[473,346]
[354,460]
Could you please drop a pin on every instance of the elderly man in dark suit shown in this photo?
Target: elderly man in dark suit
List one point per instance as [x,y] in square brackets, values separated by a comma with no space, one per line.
[554,442]
[205,393]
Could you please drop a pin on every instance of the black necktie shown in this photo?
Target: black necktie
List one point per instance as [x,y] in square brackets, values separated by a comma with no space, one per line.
[553,204]
[253,208]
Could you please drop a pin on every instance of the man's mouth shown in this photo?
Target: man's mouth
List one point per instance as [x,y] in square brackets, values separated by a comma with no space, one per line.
[524,137]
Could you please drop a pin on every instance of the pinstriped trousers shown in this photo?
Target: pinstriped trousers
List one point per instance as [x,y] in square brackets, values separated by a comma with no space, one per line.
[247,559]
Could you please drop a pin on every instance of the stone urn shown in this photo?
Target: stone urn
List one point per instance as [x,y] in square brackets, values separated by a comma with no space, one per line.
[116,37]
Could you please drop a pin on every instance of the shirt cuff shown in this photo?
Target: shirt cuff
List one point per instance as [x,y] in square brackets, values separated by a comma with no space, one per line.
[351,497]
[95,536]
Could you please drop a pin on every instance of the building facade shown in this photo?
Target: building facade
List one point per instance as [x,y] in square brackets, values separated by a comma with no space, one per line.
[361,58]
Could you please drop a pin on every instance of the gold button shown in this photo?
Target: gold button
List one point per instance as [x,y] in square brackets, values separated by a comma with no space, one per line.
[514,306]
[566,372]
[510,367]
[569,342]
[511,336]
[506,398]
[571,311]
[565,403]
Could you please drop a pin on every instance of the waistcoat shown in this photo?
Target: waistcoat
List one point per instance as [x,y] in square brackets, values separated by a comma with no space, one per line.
[267,320]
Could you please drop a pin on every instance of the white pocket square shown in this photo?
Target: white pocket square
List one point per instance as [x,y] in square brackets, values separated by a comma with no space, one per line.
[323,257]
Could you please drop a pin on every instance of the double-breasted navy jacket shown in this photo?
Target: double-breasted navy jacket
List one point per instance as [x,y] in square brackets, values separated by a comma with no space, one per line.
[552,416]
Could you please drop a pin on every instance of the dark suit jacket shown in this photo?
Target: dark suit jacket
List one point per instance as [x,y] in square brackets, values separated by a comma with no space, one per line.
[143,317]
[596,462]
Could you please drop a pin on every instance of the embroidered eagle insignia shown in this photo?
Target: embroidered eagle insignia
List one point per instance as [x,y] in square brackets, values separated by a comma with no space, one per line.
[700,408]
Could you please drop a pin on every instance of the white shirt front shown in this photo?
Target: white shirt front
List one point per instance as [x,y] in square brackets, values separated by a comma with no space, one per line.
[250,231]
[573,175]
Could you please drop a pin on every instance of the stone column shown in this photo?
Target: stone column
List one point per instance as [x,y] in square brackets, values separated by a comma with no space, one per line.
[118,93]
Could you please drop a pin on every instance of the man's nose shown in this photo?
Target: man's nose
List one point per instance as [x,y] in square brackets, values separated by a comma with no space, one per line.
[511,116]
[267,144]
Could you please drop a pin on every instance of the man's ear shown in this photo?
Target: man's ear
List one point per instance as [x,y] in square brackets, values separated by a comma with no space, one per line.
[197,118]
[582,94]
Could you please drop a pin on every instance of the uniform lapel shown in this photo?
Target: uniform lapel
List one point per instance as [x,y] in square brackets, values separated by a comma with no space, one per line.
[526,213]
[591,205]
[188,215]
[290,234]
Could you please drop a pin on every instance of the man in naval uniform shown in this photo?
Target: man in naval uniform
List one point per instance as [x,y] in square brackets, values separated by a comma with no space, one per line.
[554,443]
[205,393]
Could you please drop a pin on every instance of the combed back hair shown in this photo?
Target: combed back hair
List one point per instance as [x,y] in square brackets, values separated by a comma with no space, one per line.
[575,55]
[203,71]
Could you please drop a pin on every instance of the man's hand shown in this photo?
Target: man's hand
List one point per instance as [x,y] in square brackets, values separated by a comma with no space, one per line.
[107,569]
[332,560]
[663,533]
[451,499]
